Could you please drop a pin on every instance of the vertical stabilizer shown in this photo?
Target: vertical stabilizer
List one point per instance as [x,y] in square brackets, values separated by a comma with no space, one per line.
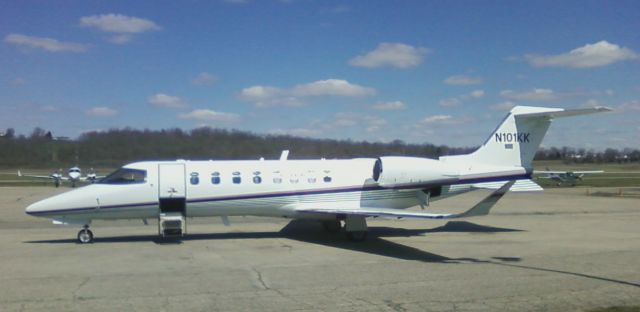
[517,138]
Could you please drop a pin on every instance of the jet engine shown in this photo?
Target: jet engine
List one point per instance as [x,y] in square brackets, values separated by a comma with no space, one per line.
[393,171]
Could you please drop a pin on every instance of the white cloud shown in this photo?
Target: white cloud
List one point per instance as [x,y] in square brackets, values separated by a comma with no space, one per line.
[507,105]
[591,103]
[283,101]
[164,100]
[450,102]
[101,111]
[204,79]
[437,119]
[477,94]
[374,123]
[395,105]
[598,54]
[124,26]
[258,93]
[341,120]
[335,87]
[458,100]
[531,95]
[210,115]
[118,23]
[299,132]
[397,55]
[461,80]
[629,106]
[120,39]
[267,96]
[47,44]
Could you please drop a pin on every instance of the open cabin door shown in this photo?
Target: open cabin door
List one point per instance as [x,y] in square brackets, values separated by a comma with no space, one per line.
[171,181]
[172,195]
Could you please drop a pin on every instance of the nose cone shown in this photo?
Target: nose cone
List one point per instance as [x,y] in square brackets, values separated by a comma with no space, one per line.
[63,204]
[38,208]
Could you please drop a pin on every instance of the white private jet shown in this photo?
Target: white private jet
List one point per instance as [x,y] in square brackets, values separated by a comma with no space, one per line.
[565,177]
[331,191]
[74,175]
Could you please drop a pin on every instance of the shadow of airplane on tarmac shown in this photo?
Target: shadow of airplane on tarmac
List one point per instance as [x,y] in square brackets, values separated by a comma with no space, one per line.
[312,232]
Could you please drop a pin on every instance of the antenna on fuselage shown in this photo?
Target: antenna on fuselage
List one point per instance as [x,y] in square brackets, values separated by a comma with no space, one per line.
[284,155]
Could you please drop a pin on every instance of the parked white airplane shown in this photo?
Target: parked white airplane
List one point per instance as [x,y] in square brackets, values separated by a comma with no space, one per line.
[331,191]
[74,175]
[562,177]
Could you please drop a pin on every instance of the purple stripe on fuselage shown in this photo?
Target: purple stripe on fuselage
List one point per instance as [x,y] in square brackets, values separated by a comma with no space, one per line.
[292,193]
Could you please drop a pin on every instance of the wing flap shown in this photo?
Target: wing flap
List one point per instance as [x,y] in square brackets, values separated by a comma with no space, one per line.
[480,209]
[518,186]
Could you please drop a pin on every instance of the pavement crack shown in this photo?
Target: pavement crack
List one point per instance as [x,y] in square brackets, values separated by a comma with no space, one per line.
[260,279]
[395,306]
[74,293]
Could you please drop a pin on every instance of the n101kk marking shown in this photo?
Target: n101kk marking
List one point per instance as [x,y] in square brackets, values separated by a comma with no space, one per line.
[520,137]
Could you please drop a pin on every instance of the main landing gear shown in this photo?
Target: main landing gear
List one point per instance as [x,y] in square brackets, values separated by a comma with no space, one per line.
[355,227]
[85,236]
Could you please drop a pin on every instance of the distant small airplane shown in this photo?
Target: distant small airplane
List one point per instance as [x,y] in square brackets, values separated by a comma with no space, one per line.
[74,175]
[565,177]
[334,192]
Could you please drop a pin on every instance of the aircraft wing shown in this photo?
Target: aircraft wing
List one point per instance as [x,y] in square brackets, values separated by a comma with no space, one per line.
[20,174]
[480,209]
[565,172]
[96,178]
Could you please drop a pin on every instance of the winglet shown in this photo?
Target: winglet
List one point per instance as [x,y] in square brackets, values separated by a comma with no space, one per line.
[482,208]
[19,173]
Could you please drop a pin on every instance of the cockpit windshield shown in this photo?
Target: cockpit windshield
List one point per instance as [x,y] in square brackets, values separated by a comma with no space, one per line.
[125,176]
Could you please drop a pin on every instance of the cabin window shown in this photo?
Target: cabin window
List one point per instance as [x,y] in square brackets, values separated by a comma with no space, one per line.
[125,176]
[294,180]
[236,178]
[256,177]
[194,179]
[327,178]
[215,178]
[277,178]
[311,177]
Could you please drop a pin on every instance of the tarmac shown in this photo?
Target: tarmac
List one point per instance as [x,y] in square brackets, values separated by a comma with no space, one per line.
[554,251]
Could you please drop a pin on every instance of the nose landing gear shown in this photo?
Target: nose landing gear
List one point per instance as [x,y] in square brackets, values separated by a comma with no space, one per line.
[85,236]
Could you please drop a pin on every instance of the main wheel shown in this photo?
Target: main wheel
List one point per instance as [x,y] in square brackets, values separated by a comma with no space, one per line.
[332,226]
[85,236]
[357,236]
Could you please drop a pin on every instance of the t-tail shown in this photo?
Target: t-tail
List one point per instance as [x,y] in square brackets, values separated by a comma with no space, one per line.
[518,137]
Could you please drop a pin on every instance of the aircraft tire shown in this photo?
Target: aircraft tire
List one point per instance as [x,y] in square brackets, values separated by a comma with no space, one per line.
[357,236]
[332,226]
[85,236]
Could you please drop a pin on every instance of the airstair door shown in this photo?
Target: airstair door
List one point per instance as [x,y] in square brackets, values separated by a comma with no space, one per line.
[171,181]
[172,195]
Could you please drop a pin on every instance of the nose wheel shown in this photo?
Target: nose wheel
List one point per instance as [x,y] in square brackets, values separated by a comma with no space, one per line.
[85,236]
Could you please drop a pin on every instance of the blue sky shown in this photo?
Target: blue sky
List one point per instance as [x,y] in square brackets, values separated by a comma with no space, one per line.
[441,72]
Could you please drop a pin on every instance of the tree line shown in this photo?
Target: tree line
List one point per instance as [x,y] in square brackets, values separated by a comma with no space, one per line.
[116,147]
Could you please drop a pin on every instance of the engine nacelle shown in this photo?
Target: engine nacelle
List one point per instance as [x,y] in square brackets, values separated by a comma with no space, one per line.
[391,171]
